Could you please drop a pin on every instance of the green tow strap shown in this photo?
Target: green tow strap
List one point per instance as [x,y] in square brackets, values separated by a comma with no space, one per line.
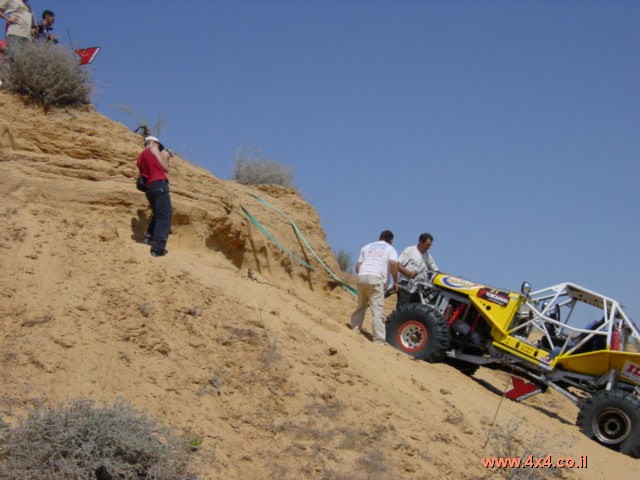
[300,236]
[315,255]
[264,202]
[274,240]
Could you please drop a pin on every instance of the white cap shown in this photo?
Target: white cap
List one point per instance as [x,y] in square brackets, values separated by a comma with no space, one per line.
[153,139]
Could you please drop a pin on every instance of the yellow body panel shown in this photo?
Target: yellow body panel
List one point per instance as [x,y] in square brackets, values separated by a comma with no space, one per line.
[499,308]
[523,350]
[601,361]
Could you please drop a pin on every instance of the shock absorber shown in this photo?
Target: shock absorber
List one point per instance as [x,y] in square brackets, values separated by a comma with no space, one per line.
[615,336]
[456,313]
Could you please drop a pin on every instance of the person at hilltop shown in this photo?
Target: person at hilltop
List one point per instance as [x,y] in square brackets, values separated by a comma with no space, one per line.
[3,44]
[44,29]
[153,164]
[413,260]
[375,261]
[20,24]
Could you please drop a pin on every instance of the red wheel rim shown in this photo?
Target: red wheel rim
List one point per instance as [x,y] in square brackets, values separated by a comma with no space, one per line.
[412,336]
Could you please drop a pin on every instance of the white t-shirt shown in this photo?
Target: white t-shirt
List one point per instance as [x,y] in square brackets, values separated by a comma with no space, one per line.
[19,9]
[374,259]
[416,261]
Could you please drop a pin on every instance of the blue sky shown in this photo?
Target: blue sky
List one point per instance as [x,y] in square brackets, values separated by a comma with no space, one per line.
[507,129]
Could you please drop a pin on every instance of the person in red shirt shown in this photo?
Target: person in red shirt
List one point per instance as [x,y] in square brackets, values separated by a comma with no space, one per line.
[153,164]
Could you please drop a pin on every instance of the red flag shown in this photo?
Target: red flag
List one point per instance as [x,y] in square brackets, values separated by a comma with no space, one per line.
[87,54]
[522,390]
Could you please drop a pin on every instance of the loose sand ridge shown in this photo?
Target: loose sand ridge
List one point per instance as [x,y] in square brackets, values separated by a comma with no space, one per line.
[227,336]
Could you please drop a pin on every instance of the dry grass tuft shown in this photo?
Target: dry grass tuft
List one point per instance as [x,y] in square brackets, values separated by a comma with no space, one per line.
[80,441]
[48,74]
[252,168]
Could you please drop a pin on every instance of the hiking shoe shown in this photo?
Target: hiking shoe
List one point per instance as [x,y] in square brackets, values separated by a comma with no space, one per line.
[158,254]
[356,329]
[147,239]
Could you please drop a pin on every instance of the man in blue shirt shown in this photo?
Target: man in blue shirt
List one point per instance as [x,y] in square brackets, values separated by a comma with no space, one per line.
[45,27]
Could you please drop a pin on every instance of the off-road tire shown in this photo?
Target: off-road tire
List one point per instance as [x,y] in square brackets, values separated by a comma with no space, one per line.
[420,331]
[612,418]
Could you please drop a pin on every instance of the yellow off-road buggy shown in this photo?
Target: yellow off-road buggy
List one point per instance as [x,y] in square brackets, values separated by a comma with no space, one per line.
[566,337]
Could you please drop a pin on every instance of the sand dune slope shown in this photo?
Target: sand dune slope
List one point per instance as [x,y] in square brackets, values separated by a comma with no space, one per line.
[227,337]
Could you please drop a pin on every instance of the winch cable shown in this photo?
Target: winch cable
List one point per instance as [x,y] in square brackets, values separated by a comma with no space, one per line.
[495,416]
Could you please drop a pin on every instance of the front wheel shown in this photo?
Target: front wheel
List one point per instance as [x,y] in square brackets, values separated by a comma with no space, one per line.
[420,331]
[612,418]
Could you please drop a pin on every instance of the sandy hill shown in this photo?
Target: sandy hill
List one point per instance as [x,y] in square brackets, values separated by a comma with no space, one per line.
[227,336]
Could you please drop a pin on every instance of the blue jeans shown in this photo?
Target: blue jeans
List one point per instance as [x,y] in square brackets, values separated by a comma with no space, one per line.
[158,195]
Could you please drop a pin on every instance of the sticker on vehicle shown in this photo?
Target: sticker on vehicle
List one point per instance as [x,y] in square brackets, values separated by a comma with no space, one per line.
[455,282]
[494,296]
[631,371]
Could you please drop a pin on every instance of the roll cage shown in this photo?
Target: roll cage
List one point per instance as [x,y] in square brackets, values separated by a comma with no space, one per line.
[570,319]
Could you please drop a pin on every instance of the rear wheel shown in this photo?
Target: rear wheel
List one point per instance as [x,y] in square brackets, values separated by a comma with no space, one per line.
[612,418]
[420,331]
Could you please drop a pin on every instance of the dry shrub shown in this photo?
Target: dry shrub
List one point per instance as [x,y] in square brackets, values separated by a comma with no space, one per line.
[47,73]
[252,168]
[345,261]
[80,442]
[510,442]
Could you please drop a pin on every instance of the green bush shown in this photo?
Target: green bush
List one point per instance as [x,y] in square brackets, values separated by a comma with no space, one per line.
[81,442]
[47,73]
[251,168]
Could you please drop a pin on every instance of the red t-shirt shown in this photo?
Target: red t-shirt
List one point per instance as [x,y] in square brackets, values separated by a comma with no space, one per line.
[149,167]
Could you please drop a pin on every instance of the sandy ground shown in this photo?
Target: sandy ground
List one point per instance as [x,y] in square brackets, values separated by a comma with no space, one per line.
[227,337]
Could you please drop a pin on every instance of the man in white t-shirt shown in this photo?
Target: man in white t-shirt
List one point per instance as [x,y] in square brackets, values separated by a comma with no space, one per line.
[415,259]
[375,261]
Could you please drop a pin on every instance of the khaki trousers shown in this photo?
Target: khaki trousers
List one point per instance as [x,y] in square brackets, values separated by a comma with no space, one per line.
[370,294]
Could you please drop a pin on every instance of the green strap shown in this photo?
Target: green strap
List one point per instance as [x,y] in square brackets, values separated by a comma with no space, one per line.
[273,239]
[264,202]
[315,255]
[302,239]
